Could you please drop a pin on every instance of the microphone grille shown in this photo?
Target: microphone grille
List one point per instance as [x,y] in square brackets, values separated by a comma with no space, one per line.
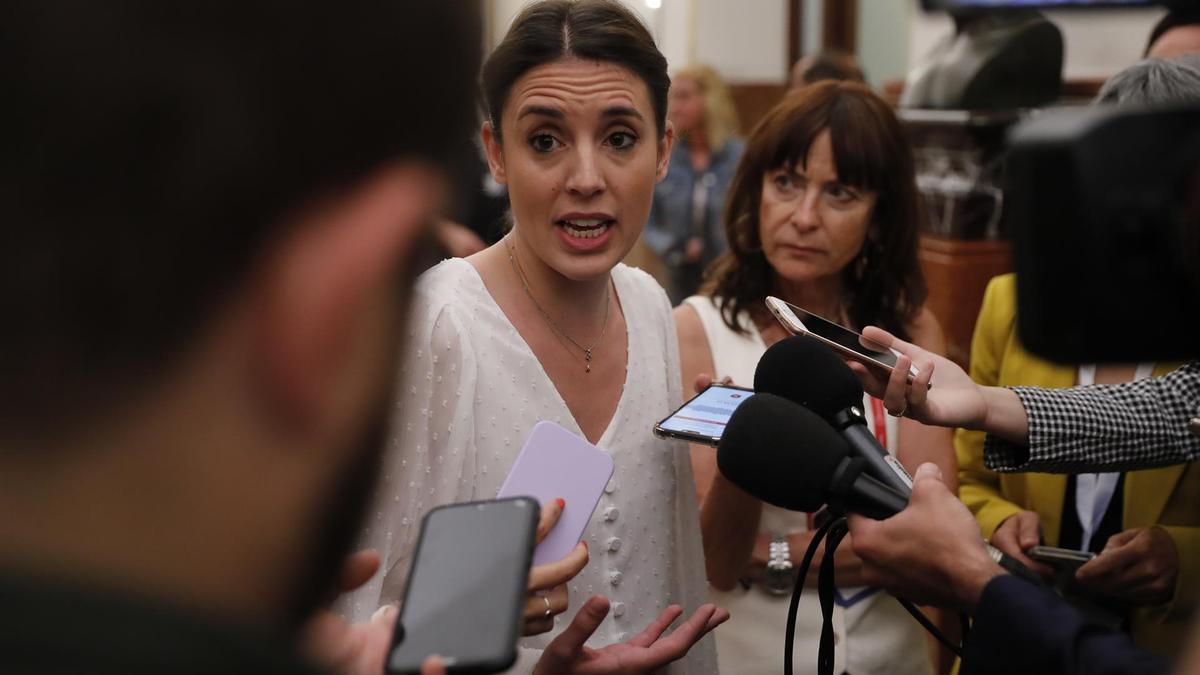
[807,372]
[780,453]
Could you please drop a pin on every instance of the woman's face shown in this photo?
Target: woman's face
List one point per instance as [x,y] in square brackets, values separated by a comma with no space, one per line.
[687,105]
[580,155]
[811,225]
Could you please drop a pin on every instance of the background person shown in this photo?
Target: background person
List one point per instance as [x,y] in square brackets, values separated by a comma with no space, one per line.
[548,325]
[823,212]
[829,65]
[1176,34]
[684,228]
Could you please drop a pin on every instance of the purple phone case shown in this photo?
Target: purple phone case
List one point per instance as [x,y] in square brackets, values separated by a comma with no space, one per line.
[557,463]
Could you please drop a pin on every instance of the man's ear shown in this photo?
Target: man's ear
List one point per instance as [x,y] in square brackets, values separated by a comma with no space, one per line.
[495,155]
[321,287]
[664,152]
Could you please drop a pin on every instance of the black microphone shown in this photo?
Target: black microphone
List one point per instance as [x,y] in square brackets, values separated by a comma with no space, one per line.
[786,456]
[804,371]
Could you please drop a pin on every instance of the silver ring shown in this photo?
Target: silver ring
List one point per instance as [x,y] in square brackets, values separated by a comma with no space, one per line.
[549,611]
[902,410]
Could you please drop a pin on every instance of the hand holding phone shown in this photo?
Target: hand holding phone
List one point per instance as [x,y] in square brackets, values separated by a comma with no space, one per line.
[703,418]
[847,343]
[1061,559]
[553,464]
[465,596]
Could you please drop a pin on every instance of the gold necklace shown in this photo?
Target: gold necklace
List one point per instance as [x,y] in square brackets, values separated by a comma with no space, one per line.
[587,351]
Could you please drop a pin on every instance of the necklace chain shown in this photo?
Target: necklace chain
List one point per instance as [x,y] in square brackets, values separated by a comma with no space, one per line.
[587,351]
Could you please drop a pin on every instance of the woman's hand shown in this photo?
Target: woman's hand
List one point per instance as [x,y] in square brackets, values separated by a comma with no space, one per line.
[547,596]
[647,652]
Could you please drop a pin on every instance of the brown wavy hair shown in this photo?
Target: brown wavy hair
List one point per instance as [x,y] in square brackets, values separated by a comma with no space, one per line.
[883,284]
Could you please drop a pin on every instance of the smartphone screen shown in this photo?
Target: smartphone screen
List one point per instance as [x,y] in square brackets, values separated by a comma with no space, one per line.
[703,418]
[466,590]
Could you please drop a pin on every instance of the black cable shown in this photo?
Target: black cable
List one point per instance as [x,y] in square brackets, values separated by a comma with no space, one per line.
[826,589]
[933,630]
[794,607]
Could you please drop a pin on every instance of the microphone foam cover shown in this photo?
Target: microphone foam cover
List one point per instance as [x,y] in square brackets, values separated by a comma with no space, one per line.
[807,372]
[780,453]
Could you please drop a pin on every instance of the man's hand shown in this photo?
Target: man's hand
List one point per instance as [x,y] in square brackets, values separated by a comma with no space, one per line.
[931,552]
[1139,566]
[458,240]
[352,649]
[647,652]
[692,250]
[548,582]
[1019,533]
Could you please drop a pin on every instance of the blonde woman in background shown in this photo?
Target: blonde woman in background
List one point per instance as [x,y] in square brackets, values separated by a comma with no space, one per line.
[685,227]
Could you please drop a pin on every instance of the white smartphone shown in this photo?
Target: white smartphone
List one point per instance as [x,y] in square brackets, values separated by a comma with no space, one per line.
[852,345]
[556,463]
[703,419]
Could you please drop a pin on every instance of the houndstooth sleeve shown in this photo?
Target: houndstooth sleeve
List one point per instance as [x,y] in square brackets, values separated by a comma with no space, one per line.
[1137,425]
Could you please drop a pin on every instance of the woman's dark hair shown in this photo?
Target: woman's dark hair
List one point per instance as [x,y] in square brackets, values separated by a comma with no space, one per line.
[596,30]
[883,285]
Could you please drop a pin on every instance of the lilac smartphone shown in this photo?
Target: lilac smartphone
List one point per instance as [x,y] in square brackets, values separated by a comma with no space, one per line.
[557,463]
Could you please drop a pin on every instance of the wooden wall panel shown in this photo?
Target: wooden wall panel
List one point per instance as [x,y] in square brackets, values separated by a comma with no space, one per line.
[754,99]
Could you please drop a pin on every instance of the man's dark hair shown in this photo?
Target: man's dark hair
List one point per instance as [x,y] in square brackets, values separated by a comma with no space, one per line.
[1173,19]
[151,149]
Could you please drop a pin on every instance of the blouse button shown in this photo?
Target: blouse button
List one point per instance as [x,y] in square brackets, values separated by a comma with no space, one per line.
[611,513]
[614,544]
[1194,426]
[611,487]
[614,577]
[618,609]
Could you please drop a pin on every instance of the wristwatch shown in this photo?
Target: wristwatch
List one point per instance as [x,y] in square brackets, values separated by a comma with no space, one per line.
[780,575]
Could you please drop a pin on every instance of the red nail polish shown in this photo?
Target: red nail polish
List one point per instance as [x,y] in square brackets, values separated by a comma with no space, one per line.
[561,502]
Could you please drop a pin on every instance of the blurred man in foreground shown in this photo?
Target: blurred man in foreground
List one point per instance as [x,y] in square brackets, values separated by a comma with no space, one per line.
[210,217]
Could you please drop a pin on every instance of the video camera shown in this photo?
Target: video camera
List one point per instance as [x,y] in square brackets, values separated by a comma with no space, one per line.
[1103,208]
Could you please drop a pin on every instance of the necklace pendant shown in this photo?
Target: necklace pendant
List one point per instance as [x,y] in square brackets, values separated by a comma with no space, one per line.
[587,357]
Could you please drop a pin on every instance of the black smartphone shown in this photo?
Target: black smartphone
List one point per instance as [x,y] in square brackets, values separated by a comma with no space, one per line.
[703,419]
[1060,558]
[465,596]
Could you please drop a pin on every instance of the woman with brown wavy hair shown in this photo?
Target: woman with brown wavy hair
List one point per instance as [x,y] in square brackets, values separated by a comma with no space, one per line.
[823,213]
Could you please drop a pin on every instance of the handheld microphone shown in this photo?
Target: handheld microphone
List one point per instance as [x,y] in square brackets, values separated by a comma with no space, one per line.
[804,371]
[786,456]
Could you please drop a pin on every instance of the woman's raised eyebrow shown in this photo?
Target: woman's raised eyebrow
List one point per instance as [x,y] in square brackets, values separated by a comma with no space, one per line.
[623,111]
[541,110]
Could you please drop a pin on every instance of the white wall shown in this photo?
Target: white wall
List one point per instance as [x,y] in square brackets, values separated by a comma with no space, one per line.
[883,40]
[745,40]
[1098,43]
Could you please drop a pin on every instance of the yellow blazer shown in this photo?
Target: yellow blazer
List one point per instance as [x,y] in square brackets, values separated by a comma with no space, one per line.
[1169,497]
